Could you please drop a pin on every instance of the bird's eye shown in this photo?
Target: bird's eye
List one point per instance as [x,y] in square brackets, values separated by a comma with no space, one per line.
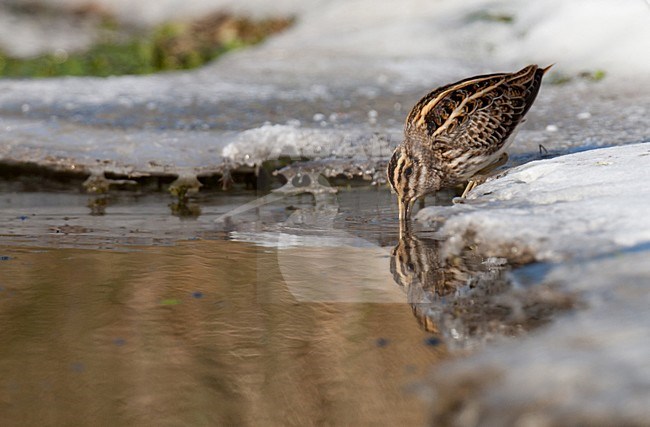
[408,171]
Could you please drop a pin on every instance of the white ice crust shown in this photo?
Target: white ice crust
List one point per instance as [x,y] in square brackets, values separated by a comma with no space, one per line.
[579,205]
[344,59]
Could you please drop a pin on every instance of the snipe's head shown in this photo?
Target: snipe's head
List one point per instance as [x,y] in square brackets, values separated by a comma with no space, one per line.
[411,178]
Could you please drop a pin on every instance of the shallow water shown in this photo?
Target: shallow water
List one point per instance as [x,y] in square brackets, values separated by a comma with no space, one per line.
[201,333]
[295,312]
[191,328]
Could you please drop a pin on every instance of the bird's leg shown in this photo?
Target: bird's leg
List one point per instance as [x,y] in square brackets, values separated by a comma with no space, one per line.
[421,202]
[471,184]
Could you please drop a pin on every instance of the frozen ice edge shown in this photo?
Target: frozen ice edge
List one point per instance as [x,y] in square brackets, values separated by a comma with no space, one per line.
[590,210]
[368,52]
[587,368]
[578,205]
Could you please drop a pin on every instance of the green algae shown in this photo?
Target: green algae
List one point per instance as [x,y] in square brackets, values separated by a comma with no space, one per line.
[167,47]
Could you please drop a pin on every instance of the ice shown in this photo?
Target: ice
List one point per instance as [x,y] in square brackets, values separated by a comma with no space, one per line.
[34,36]
[587,215]
[582,34]
[150,12]
[579,205]
[273,141]
[587,368]
[68,147]
[571,34]
[348,66]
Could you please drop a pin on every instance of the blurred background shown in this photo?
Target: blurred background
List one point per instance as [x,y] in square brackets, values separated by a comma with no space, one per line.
[208,85]
[102,37]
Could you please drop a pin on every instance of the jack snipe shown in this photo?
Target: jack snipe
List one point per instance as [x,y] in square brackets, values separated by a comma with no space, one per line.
[459,130]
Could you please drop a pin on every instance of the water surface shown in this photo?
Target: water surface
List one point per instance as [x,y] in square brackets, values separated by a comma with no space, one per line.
[294,312]
[198,333]
[194,328]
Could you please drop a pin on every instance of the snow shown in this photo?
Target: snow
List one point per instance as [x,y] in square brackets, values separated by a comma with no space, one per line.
[357,66]
[579,35]
[589,368]
[590,34]
[140,152]
[149,12]
[587,215]
[579,205]
[295,142]
[30,37]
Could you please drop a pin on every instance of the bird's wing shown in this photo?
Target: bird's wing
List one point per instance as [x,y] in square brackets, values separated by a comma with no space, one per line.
[480,112]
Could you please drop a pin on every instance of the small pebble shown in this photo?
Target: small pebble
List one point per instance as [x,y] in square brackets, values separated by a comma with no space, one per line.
[119,342]
[5,258]
[382,342]
[584,115]
[197,294]
[77,367]
[551,128]
[319,117]
[432,341]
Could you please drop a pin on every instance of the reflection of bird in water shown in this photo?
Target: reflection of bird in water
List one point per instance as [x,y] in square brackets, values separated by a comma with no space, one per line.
[416,262]
[466,298]
[459,131]
[423,274]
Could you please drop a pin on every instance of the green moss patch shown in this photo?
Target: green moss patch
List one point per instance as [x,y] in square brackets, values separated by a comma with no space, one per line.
[171,46]
[558,78]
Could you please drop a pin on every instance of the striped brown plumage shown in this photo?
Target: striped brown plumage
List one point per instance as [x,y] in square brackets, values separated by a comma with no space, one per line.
[458,130]
[420,271]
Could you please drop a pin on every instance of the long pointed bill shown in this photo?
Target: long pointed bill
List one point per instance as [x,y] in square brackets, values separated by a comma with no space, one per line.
[404,229]
[404,209]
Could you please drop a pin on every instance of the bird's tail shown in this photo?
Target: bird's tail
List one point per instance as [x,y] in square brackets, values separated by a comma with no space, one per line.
[544,70]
